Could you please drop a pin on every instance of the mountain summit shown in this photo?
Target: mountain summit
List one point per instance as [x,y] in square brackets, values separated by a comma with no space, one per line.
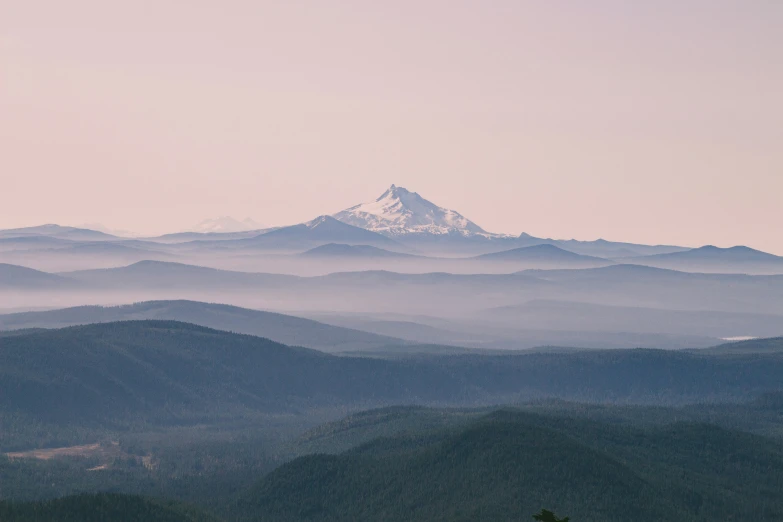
[399,211]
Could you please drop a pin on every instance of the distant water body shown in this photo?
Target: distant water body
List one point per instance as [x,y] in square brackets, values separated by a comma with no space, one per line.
[739,338]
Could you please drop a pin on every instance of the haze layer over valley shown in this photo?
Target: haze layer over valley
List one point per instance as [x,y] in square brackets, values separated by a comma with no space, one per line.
[226,369]
[402,266]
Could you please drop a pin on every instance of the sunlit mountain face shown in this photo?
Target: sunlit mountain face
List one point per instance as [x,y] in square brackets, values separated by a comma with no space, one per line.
[399,211]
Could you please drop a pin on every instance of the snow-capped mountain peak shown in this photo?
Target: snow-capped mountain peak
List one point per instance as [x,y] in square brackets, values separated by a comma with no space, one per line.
[399,211]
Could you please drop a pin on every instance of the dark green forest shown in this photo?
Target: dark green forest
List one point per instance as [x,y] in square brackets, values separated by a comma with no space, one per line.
[101,507]
[181,422]
[164,371]
[503,465]
[508,464]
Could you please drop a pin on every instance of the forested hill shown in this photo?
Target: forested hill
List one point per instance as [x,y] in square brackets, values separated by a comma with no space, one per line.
[165,371]
[286,329]
[508,465]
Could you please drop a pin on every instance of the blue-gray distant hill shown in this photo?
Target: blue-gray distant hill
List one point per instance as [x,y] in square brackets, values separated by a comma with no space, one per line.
[182,237]
[163,275]
[57,231]
[52,254]
[286,329]
[544,254]
[739,259]
[490,332]
[32,243]
[23,278]
[439,294]
[591,317]
[338,250]
[650,287]
[106,250]
[321,230]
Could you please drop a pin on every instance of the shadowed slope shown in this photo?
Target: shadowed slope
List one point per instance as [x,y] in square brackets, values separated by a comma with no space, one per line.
[280,328]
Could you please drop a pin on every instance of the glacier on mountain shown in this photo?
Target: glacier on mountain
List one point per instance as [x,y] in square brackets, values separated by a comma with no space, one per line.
[399,211]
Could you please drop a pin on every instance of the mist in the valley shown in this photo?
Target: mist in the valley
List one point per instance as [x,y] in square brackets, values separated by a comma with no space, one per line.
[193,365]
[484,295]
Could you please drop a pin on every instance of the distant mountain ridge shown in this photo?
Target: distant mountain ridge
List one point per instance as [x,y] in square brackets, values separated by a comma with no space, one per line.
[184,237]
[318,231]
[713,253]
[358,251]
[163,274]
[545,252]
[450,294]
[58,231]
[740,259]
[285,329]
[580,316]
[417,222]
[399,220]
[14,276]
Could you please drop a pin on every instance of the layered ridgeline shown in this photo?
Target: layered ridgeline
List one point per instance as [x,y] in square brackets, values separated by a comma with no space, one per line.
[319,231]
[400,221]
[285,329]
[532,324]
[710,258]
[57,231]
[537,322]
[13,277]
[507,465]
[164,372]
[546,254]
[440,294]
[412,220]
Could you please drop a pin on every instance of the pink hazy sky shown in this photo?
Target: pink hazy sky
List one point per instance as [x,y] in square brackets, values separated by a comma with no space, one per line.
[657,122]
